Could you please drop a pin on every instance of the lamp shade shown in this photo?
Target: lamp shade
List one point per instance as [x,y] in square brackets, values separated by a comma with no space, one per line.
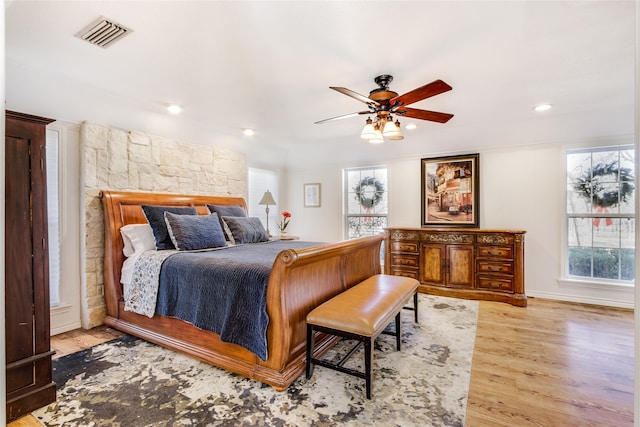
[378,138]
[267,199]
[398,136]
[390,129]
[368,132]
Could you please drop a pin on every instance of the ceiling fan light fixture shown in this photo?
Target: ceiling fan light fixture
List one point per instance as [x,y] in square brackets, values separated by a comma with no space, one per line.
[398,136]
[377,139]
[390,129]
[368,131]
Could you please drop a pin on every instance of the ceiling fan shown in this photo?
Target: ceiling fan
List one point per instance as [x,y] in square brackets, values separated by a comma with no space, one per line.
[383,102]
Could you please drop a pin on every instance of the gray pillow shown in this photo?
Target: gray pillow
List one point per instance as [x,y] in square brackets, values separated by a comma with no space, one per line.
[155,217]
[193,232]
[246,229]
[227,210]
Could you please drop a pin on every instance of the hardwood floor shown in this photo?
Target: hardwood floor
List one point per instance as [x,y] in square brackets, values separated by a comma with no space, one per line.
[552,364]
[549,364]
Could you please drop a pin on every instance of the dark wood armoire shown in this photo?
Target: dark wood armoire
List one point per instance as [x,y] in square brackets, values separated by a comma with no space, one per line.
[27,330]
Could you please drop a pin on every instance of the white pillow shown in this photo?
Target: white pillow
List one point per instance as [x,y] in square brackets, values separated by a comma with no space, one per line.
[137,238]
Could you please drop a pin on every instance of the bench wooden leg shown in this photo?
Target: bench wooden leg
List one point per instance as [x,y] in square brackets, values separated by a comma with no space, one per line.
[398,331]
[415,306]
[311,337]
[368,363]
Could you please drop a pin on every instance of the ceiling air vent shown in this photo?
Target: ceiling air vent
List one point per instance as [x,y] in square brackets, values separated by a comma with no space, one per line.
[103,32]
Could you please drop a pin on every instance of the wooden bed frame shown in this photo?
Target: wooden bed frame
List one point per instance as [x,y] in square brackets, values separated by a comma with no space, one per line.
[300,281]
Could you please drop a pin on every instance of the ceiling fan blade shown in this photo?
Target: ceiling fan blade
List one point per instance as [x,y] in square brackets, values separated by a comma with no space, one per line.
[432,89]
[354,95]
[343,117]
[433,116]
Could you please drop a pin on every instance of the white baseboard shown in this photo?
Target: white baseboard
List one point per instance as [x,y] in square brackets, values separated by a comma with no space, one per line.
[583,299]
[65,328]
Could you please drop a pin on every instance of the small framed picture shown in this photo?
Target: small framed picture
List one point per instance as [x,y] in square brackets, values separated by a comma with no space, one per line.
[450,191]
[312,195]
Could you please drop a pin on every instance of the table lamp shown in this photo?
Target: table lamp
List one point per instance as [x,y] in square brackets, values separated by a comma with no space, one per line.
[267,199]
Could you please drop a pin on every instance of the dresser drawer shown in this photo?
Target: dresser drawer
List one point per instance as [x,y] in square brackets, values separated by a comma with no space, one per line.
[448,238]
[495,283]
[404,235]
[495,239]
[410,247]
[502,252]
[404,261]
[495,267]
[405,272]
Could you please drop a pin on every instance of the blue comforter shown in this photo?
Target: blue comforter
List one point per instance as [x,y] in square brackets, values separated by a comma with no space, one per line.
[223,291]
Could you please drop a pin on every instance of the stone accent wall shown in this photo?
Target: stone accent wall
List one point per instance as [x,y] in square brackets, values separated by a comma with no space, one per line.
[116,159]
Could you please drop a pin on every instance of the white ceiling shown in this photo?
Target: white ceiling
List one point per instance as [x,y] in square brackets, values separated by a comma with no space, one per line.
[267,65]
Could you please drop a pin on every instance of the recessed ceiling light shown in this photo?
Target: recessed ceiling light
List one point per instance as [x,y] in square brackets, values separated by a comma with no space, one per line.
[542,107]
[411,126]
[248,132]
[174,109]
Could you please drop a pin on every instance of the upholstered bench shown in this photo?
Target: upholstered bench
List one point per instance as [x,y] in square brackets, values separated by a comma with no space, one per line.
[361,313]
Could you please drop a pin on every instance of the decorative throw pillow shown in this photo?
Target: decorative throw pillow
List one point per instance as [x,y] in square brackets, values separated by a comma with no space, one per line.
[227,210]
[193,232]
[137,238]
[155,217]
[246,229]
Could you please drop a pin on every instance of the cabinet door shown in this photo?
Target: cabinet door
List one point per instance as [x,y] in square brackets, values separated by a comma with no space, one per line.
[19,279]
[432,264]
[460,266]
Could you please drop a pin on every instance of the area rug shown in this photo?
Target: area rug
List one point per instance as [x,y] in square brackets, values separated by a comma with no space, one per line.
[129,382]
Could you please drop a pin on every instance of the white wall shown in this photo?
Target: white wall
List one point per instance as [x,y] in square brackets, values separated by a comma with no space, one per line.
[520,188]
[318,224]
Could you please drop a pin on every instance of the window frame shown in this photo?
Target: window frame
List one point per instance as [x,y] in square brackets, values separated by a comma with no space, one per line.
[346,193]
[584,281]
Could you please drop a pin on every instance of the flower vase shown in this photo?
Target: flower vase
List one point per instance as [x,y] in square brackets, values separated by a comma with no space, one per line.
[283,232]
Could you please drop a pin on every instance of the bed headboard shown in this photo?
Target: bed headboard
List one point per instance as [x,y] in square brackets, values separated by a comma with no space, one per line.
[122,208]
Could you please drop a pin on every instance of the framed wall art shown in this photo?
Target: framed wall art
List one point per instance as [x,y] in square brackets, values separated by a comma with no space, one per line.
[450,191]
[312,195]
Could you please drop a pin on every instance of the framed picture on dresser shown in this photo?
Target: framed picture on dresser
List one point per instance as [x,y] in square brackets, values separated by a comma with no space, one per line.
[450,191]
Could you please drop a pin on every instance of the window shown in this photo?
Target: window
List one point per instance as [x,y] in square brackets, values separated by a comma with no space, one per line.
[261,180]
[600,213]
[366,201]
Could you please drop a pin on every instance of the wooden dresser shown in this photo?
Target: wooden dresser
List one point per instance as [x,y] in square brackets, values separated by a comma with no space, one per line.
[467,263]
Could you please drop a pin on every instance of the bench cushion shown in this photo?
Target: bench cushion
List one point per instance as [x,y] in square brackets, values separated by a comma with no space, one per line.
[366,308]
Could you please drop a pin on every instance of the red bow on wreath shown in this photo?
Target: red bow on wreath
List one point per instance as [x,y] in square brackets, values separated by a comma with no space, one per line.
[608,221]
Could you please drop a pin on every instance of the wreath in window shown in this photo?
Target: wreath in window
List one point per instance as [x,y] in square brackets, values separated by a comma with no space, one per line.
[591,187]
[369,192]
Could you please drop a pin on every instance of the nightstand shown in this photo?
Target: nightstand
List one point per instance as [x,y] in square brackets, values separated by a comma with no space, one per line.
[287,238]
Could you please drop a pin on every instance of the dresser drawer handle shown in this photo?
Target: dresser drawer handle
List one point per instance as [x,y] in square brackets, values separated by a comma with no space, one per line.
[497,253]
[495,268]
